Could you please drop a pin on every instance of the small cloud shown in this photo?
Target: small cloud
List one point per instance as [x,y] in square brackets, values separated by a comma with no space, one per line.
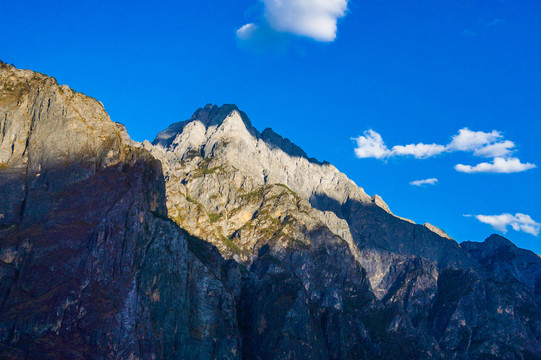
[419,151]
[316,20]
[260,38]
[518,222]
[469,33]
[371,146]
[498,165]
[247,31]
[491,23]
[502,148]
[313,19]
[467,215]
[468,140]
[431,181]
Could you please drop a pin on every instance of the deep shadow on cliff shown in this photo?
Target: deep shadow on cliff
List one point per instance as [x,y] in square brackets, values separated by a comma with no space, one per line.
[95,269]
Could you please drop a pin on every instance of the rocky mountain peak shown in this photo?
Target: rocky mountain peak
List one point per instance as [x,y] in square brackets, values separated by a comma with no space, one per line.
[496,241]
[209,117]
[225,134]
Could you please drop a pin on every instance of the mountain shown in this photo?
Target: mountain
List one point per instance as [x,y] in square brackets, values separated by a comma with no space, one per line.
[220,241]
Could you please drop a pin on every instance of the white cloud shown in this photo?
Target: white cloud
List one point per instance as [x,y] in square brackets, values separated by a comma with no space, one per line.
[482,144]
[519,222]
[469,33]
[491,23]
[315,19]
[371,146]
[247,31]
[419,151]
[501,148]
[468,140]
[498,165]
[431,181]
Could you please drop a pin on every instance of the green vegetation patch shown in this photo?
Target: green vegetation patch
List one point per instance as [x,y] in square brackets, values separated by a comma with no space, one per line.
[253,195]
[13,91]
[204,169]
[213,217]
[258,194]
[289,190]
[231,245]
[193,201]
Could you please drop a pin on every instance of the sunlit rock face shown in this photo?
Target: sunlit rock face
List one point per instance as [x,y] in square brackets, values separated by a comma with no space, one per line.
[216,241]
[231,176]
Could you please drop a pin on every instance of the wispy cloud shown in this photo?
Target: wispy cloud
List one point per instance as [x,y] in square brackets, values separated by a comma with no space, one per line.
[469,33]
[498,165]
[247,31]
[315,19]
[260,37]
[419,151]
[490,23]
[481,27]
[518,222]
[431,181]
[481,144]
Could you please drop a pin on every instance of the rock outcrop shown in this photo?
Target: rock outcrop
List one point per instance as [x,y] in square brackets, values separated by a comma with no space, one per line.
[218,241]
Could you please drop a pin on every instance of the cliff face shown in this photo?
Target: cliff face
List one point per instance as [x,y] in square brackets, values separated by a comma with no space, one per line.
[218,241]
[90,266]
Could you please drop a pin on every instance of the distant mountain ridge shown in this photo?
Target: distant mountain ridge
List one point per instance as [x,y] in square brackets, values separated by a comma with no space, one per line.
[218,241]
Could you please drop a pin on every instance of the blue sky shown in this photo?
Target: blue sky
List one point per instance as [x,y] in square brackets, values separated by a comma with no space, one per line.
[411,71]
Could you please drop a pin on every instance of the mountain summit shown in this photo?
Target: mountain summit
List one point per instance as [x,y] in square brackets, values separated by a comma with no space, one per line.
[218,241]
[218,149]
